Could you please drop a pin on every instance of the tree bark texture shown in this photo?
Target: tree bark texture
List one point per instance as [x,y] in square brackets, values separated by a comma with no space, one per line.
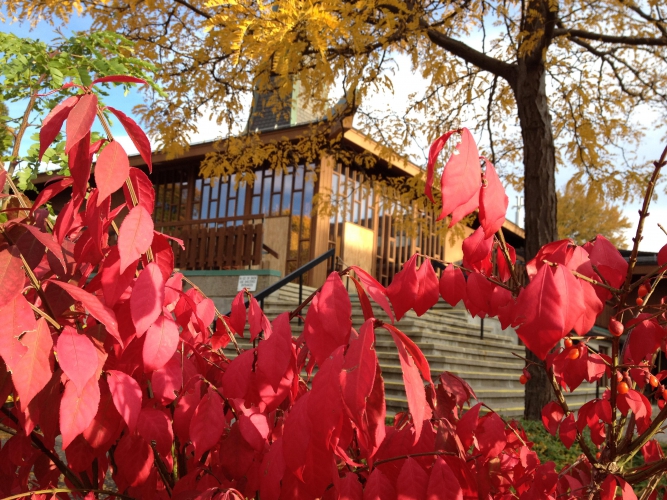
[539,161]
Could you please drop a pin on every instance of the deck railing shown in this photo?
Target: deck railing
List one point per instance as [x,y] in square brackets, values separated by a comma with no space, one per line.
[221,243]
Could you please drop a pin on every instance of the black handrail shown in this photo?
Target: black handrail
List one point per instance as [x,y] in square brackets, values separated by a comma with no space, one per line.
[291,277]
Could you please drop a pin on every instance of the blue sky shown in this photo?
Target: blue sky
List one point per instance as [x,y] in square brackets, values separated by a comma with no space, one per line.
[405,81]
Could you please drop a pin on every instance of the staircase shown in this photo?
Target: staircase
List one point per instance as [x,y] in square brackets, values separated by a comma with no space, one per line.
[450,339]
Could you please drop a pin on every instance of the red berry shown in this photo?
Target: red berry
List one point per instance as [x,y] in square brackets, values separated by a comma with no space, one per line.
[616,328]
[661,403]
[573,354]
[567,342]
[523,379]
[642,291]
[639,301]
[598,455]
[653,381]
[623,388]
[664,394]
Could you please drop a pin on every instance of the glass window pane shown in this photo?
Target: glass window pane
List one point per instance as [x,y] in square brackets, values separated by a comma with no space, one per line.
[255,205]
[205,200]
[287,194]
[240,197]
[196,209]
[298,179]
[231,208]
[257,186]
[266,195]
[275,205]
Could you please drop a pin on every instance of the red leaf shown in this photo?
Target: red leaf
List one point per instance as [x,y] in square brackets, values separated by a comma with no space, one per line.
[113,282]
[427,295]
[163,255]
[568,431]
[414,390]
[358,374]
[476,248]
[111,170]
[366,307]
[378,487]
[443,484]
[167,381]
[552,414]
[53,123]
[185,408]
[11,274]
[154,425]
[135,236]
[33,371]
[490,435]
[160,344]
[466,427]
[126,395]
[80,120]
[608,260]
[134,459]
[452,285]
[97,310]
[652,451]
[137,135]
[350,488]
[463,210]
[412,481]
[462,175]
[256,319]
[274,354]
[254,427]
[433,153]
[17,317]
[49,242]
[78,409]
[204,436]
[416,353]
[118,79]
[662,256]
[574,305]
[143,189]
[404,288]
[377,292]
[296,434]
[493,201]
[236,378]
[106,423]
[328,324]
[147,298]
[272,471]
[79,162]
[541,305]
[50,191]
[77,357]
[238,317]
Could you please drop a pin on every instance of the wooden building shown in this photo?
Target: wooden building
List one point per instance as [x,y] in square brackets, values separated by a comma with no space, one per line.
[272,224]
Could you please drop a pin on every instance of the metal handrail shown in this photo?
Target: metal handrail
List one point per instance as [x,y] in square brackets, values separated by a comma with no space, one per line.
[291,277]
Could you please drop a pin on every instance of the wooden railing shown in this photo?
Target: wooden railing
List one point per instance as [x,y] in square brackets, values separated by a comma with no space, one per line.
[222,243]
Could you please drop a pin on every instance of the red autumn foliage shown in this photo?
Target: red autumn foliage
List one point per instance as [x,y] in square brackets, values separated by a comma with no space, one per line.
[126,369]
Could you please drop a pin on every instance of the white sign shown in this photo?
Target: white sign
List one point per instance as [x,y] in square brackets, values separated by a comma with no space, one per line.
[249,282]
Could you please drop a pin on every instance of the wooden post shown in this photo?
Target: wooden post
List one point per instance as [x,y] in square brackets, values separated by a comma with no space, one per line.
[319,232]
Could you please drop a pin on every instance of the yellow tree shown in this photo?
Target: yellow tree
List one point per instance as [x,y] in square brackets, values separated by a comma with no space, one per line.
[583,214]
[543,81]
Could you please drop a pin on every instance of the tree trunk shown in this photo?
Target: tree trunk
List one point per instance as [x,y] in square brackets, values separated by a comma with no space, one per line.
[539,162]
